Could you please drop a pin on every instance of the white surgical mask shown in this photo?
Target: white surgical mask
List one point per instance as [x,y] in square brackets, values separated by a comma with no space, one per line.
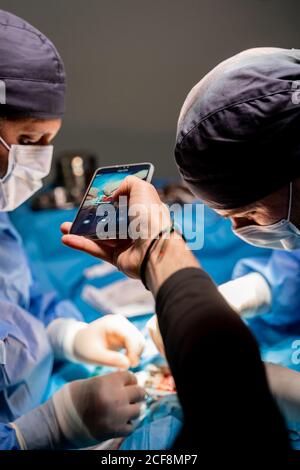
[27,165]
[283,235]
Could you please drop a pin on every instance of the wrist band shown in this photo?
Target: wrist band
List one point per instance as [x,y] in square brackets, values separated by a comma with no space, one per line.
[144,263]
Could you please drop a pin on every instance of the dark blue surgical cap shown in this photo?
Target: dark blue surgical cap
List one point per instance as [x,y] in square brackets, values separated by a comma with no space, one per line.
[238,136]
[32,76]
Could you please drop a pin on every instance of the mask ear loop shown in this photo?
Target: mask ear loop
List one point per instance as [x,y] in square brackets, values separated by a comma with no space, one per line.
[290,201]
[5,144]
[10,163]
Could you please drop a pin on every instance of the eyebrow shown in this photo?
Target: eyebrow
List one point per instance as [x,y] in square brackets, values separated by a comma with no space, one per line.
[239,213]
[27,131]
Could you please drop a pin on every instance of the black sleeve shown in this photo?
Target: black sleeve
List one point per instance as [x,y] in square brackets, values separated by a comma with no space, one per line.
[218,372]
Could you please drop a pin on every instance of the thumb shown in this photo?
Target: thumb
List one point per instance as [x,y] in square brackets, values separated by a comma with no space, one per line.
[126,186]
[134,346]
[65,227]
[114,359]
[132,339]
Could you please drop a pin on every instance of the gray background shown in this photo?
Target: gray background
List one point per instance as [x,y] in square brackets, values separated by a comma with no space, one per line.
[130,63]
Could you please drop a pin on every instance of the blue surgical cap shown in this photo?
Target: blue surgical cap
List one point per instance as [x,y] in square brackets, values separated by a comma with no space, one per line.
[32,76]
[238,136]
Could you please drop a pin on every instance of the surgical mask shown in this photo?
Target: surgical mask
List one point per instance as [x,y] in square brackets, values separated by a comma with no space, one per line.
[27,165]
[283,235]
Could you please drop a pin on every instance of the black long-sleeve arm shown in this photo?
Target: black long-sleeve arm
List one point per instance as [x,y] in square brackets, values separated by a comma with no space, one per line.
[218,372]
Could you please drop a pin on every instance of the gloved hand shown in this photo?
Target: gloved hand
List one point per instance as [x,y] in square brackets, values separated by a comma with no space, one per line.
[98,342]
[284,384]
[83,413]
[155,334]
[101,340]
[247,294]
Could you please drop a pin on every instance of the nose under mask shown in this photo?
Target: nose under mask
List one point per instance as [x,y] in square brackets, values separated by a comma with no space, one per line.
[27,166]
[283,235]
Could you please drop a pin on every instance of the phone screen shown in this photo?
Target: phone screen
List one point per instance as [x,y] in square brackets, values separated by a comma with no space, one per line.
[105,181]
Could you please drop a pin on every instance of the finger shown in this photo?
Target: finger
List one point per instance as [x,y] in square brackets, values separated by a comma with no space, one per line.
[135,411]
[125,430]
[135,355]
[110,242]
[126,186]
[88,246]
[154,331]
[113,359]
[132,339]
[135,345]
[65,227]
[128,378]
[136,394]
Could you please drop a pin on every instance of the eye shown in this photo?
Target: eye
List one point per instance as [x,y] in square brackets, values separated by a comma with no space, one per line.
[249,214]
[26,140]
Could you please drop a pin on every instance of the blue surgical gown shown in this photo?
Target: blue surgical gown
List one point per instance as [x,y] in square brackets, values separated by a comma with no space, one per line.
[278,330]
[280,326]
[26,358]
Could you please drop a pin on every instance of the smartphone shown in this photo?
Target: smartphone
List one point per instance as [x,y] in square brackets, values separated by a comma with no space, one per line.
[98,213]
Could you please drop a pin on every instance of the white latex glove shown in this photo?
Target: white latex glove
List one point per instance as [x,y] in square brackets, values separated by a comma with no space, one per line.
[98,342]
[155,334]
[82,413]
[247,294]
[285,386]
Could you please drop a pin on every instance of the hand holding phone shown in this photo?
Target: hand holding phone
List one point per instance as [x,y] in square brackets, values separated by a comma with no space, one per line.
[127,254]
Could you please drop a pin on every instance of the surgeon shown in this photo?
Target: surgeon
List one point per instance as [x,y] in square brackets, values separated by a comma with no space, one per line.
[36,329]
[238,150]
